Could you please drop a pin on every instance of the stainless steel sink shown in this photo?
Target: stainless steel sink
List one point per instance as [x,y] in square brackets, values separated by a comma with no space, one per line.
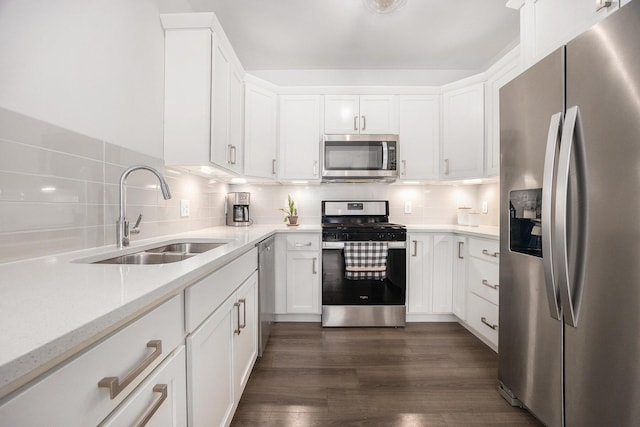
[146,258]
[186,247]
[171,252]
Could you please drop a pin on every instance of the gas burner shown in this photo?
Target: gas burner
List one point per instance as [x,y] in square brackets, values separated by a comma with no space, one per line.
[359,221]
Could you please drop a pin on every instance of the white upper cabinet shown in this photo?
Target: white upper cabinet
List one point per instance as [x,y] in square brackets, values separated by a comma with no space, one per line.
[463,132]
[364,114]
[204,94]
[545,25]
[419,136]
[260,137]
[299,137]
[501,73]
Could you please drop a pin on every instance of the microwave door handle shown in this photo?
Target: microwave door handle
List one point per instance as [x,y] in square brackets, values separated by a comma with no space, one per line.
[385,155]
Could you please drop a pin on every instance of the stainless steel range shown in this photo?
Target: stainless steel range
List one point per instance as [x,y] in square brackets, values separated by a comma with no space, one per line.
[363,265]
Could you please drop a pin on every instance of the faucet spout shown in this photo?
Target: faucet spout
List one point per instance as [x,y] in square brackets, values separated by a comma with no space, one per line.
[122,225]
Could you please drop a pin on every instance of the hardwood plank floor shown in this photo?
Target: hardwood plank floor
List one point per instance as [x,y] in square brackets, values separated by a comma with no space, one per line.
[426,374]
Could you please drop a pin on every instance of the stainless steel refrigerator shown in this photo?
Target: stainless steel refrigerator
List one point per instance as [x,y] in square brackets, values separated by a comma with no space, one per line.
[569,343]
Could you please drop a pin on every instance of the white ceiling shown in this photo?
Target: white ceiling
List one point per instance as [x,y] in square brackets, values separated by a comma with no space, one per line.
[343,34]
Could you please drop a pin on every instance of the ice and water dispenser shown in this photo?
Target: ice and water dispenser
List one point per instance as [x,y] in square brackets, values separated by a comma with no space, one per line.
[525,227]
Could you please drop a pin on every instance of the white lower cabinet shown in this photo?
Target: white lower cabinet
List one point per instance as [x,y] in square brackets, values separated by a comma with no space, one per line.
[222,349]
[430,289]
[460,277]
[160,401]
[86,389]
[303,273]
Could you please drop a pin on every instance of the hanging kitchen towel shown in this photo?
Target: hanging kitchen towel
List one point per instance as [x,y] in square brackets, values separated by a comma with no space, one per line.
[365,260]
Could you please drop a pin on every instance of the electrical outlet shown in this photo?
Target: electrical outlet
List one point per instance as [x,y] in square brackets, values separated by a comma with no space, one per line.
[485,207]
[184,208]
[407,207]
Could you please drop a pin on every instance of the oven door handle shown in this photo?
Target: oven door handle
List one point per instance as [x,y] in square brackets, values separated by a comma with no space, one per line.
[340,245]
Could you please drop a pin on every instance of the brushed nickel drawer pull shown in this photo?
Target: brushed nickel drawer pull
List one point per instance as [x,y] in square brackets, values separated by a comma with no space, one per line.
[273,166]
[314,268]
[364,122]
[484,320]
[237,305]
[415,248]
[113,383]
[491,254]
[460,250]
[243,301]
[144,419]
[302,245]
[355,122]
[489,285]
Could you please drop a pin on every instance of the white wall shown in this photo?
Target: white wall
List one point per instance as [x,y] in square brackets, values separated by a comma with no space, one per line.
[93,67]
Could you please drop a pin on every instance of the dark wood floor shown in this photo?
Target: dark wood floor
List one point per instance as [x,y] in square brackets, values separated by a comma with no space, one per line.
[427,374]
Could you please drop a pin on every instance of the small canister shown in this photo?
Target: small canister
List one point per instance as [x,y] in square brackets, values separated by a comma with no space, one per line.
[463,215]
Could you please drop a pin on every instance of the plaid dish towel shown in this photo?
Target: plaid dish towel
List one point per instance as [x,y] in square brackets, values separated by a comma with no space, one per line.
[365,260]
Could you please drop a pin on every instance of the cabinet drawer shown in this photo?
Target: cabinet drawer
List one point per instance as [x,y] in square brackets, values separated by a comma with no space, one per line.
[303,242]
[70,395]
[488,250]
[483,317]
[162,397]
[483,279]
[205,296]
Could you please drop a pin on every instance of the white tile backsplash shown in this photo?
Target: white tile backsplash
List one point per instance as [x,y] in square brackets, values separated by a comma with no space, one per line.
[59,191]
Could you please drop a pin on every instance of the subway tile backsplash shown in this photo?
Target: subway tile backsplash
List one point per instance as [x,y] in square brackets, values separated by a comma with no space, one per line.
[59,191]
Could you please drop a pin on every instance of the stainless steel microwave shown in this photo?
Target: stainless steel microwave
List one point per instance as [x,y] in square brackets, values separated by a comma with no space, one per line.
[359,157]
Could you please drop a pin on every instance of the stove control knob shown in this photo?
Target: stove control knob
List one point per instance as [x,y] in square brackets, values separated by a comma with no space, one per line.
[380,236]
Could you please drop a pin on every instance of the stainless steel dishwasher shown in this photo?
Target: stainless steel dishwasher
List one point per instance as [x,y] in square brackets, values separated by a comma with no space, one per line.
[266,289]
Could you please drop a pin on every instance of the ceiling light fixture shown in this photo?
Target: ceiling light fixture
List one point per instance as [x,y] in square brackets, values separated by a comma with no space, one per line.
[384,6]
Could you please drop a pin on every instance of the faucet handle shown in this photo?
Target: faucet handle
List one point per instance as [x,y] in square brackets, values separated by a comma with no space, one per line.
[136,228]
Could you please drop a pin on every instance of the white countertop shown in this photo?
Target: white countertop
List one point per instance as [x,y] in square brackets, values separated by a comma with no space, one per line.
[52,307]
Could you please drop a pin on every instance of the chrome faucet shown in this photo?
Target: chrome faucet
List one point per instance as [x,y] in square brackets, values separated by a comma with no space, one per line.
[122,225]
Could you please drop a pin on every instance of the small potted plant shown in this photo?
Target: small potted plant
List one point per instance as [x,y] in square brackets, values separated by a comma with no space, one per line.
[291,212]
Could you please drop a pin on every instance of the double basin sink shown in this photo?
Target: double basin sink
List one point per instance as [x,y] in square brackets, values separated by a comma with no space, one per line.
[172,252]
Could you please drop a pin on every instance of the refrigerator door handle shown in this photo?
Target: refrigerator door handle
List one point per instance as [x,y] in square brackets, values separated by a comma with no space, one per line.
[570,302]
[550,158]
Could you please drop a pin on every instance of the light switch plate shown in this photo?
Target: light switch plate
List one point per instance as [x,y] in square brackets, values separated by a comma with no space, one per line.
[485,207]
[184,208]
[407,207]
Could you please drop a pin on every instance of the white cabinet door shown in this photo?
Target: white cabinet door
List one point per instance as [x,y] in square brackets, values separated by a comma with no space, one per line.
[497,78]
[299,137]
[260,132]
[430,273]
[303,282]
[365,114]
[210,369]
[463,132]
[187,96]
[341,114]
[161,399]
[420,273]
[236,121]
[378,114]
[419,137]
[442,293]
[245,344]
[221,69]
[460,277]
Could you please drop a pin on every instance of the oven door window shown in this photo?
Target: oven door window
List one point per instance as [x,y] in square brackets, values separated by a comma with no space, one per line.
[337,290]
[353,156]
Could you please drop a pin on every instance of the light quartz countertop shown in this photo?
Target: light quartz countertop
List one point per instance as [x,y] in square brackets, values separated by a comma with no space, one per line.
[55,306]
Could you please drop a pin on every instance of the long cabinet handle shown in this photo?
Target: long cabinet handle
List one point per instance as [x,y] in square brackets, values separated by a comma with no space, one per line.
[364,122]
[489,285]
[235,154]
[415,248]
[237,331]
[146,416]
[404,167]
[460,250]
[491,254]
[113,383]
[484,320]
[355,122]
[313,265]
[273,166]
[243,301]
[314,169]
[446,166]
[550,157]
[570,299]
[302,245]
